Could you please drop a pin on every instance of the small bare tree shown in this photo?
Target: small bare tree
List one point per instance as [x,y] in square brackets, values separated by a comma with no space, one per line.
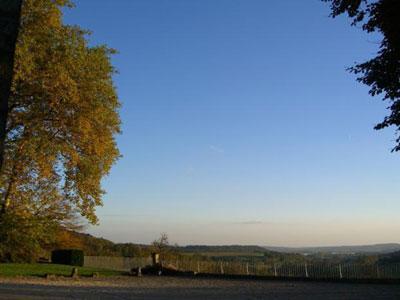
[165,254]
[162,246]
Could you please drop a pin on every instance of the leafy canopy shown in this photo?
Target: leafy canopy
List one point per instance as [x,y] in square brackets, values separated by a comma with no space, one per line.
[381,73]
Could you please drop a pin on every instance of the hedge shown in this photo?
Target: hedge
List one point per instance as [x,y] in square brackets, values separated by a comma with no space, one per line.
[72,257]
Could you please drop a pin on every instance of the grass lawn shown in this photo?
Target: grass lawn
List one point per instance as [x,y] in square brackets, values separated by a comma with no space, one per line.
[11,270]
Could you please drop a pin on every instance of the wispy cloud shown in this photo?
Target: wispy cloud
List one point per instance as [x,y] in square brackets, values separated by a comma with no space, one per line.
[216,149]
[189,170]
[245,222]
[250,223]
[126,215]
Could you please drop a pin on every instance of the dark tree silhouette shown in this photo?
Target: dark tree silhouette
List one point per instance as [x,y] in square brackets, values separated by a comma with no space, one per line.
[10,14]
[381,73]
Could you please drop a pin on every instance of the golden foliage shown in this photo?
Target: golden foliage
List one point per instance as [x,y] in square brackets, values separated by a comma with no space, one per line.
[63,117]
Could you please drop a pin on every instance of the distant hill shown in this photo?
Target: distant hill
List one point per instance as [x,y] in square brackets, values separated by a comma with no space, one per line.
[361,249]
[222,249]
[358,249]
[99,246]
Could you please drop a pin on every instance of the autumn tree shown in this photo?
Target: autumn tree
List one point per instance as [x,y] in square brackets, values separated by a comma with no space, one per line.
[381,73]
[63,112]
[62,120]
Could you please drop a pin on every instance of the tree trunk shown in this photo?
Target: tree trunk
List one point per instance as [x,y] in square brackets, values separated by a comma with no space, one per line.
[10,15]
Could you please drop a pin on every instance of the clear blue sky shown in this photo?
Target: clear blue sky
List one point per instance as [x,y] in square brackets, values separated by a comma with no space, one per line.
[242,126]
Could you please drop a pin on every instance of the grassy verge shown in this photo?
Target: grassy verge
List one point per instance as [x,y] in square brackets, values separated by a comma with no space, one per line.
[12,270]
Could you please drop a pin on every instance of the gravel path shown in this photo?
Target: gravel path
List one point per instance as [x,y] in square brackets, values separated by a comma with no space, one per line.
[187,288]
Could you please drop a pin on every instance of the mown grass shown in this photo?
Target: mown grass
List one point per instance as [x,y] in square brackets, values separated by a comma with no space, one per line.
[40,270]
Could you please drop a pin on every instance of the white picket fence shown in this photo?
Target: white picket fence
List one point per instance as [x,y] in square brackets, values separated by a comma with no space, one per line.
[316,271]
[305,270]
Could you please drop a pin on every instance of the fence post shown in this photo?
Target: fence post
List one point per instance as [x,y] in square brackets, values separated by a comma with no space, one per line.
[275,273]
[222,268]
[340,272]
[305,266]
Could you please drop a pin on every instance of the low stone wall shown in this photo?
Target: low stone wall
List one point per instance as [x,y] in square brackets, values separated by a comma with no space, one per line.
[116,263]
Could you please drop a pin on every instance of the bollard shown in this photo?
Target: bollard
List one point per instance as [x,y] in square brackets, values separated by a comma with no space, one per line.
[155,258]
[305,265]
[247,269]
[222,268]
[275,273]
[139,272]
[74,273]
[340,272]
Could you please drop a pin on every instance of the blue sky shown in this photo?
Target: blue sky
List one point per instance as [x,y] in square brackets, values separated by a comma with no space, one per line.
[242,126]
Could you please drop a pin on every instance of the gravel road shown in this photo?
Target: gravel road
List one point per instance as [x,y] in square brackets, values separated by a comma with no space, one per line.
[187,288]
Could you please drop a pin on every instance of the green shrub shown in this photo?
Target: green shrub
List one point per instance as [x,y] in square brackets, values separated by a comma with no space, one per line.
[72,257]
[23,236]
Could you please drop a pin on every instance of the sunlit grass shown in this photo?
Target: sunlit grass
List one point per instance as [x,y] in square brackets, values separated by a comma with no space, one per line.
[12,270]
